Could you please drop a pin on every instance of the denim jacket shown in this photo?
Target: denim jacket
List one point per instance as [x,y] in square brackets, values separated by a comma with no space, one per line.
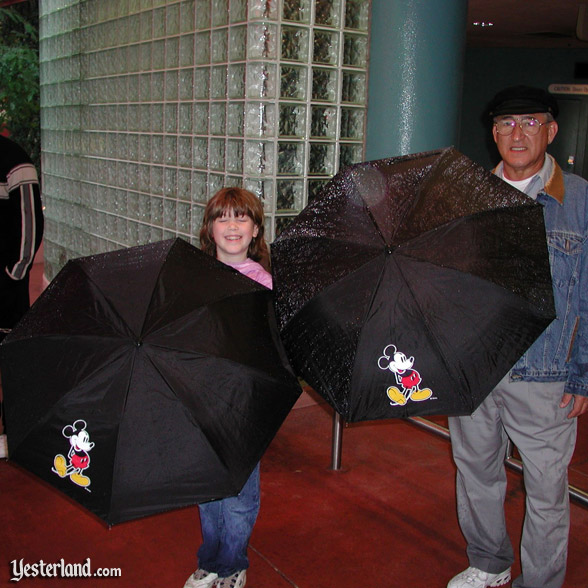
[560,354]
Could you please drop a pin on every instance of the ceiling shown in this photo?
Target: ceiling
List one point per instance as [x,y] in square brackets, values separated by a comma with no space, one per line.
[526,23]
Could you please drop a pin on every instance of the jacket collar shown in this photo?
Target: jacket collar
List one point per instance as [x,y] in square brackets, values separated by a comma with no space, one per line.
[548,180]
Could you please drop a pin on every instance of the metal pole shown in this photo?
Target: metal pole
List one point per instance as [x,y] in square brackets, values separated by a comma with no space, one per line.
[337,441]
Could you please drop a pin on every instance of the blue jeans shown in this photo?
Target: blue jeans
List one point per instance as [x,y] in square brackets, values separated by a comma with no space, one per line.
[227,525]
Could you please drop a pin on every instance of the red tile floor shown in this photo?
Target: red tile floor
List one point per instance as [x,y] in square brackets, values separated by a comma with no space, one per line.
[386,519]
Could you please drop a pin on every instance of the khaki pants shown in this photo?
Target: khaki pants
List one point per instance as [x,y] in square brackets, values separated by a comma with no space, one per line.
[528,413]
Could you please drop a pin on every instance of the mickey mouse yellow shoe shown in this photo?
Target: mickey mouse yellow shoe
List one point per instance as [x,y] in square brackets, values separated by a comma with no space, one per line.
[80,479]
[419,395]
[60,466]
[396,396]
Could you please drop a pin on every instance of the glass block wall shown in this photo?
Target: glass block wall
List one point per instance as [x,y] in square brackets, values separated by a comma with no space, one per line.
[150,106]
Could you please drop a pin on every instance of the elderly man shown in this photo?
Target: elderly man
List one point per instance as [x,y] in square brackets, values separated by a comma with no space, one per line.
[537,402]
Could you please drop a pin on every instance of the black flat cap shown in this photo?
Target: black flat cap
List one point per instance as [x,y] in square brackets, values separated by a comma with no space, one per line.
[522,100]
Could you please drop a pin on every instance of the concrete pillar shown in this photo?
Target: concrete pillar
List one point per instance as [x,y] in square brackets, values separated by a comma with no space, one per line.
[415,75]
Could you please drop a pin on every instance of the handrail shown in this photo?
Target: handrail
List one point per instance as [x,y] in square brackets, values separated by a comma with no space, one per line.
[513,463]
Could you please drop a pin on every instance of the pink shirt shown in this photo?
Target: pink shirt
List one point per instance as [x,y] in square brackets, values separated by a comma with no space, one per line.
[255,271]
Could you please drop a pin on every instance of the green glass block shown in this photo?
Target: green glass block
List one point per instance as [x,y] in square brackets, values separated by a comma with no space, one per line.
[172,52]
[259,158]
[184,184]
[290,194]
[185,118]
[170,149]
[216,154]
[171,85]
[183,218]
[157,148]
[157,86]
[290,158]
[235,119]
[202,48]
[201,83]
[296,10]
[159,23]
[260,119]
[218,82]
[217,118]
[236,81]
[262,9]
[171,117]
[200,153]
[324,122]
[293,82]
[199,192]
[262,41]
[355,49]
[325,47]
[220,12]
[324,84]
[353,87]
[186,84]
[215,183]
[169,214]
[261,80]
[202,12]
[321,160]
[357,14]
[237,43]
[219,48]
[200,118]
[238,11]
[292,120]
[294,44]
[172,19]
[186,49]
[187,14]
[156,188]
[327,12]
[349,154]
[234,161]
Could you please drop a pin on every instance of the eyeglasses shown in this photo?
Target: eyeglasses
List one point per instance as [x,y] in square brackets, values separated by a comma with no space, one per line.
[529,126]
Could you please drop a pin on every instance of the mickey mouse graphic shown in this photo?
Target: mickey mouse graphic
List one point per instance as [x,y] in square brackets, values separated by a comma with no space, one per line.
[407,379]
[78,457]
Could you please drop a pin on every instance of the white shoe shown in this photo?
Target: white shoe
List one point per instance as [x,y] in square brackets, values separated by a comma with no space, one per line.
[236,580]
[3,446]
[201,579]
[475,578]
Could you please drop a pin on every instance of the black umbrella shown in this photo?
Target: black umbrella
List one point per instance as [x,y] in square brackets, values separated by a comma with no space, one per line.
[146,379]
[411,285]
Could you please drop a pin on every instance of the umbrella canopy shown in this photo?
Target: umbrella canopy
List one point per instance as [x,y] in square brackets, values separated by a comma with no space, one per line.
[146,379]
[411,285]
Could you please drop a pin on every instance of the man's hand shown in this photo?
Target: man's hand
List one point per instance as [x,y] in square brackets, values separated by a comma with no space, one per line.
[580,404]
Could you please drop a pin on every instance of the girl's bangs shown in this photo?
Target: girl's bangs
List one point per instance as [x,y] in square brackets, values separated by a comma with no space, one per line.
[231,202]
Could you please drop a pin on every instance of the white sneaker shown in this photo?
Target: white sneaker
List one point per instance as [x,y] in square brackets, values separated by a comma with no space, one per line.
[236,580]
[3,446]
[475,578]
[201,579]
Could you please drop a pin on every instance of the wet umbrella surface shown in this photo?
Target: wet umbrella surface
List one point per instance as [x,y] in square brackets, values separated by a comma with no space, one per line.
[411,285]
[146,379]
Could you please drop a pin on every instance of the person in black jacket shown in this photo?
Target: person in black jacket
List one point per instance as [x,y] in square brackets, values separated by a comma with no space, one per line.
[21,230]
